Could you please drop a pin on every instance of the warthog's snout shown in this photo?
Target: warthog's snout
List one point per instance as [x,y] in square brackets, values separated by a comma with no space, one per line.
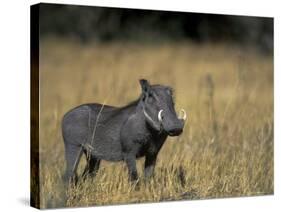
[175,127]
[175,132]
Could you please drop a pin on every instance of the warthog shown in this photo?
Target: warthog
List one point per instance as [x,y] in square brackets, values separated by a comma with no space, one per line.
[126,133]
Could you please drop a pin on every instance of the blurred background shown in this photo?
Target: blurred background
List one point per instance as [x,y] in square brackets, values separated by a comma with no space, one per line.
[101,24]
[221,68]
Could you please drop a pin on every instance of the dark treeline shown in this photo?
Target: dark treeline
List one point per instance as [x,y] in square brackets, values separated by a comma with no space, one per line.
[102,24]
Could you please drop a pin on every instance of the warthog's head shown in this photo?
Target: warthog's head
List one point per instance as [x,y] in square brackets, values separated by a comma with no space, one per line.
[159,110]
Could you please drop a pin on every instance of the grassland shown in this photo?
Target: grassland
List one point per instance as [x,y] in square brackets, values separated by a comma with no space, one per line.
[226,149]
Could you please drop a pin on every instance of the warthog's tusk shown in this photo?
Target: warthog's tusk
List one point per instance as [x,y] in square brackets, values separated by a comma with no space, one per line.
[160,115]
[184,114]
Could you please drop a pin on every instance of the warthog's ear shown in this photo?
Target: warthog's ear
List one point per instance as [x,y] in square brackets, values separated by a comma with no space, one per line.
[145,86]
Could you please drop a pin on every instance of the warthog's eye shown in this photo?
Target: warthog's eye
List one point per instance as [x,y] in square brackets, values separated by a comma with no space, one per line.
[170,92]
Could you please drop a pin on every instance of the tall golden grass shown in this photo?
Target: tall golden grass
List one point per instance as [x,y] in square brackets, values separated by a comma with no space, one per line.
[226,149]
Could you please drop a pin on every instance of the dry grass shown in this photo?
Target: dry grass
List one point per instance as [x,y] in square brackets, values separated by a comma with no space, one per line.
[226,149]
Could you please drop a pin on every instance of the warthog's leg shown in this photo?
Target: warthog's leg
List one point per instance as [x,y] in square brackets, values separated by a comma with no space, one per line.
[130,159]
[149,165]
[72,155]
[92,167]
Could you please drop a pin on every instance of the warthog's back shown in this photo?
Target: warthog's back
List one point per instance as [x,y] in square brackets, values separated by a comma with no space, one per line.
[97,125]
